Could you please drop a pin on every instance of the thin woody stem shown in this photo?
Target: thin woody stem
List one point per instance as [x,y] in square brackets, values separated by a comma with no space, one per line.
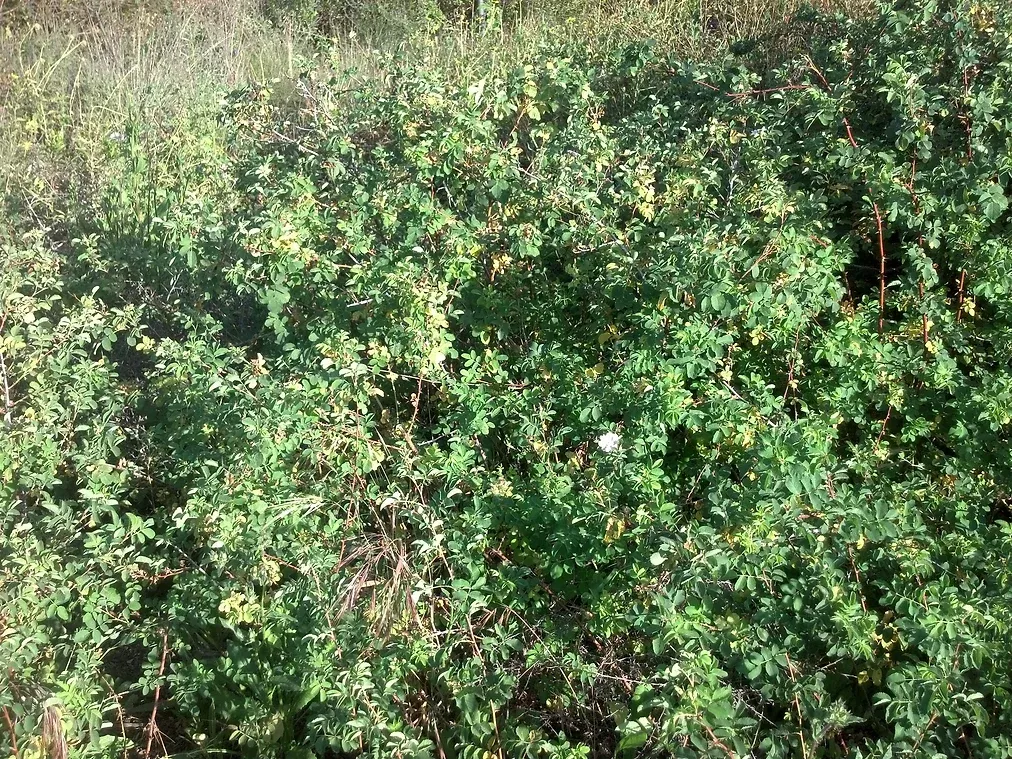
[881,270]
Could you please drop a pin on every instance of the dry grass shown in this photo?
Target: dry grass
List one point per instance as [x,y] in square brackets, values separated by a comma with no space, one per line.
[73,73]
[149,56]
[692,29]
[72,76]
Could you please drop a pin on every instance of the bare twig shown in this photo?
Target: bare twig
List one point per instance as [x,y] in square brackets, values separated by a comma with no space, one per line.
[439,740]
[5,382]
[152,723]
[881,432]
[119,712]
[920,245]
[881,269]
[962,293]
[768,91]
[416,401]
[857,576]
[790,364]
[965,118]
[495,724]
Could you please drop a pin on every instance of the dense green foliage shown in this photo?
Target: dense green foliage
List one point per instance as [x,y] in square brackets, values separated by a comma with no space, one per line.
[614,407]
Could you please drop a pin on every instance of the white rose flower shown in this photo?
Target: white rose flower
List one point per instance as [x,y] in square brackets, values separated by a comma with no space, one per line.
[609,442]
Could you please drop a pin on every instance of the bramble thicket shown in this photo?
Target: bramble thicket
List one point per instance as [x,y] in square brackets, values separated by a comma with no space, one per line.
[610,405]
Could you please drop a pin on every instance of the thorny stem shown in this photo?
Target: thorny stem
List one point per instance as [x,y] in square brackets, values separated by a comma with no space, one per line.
[717,742]
[826,86]
[874,205]
[850,133]
[10,729]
